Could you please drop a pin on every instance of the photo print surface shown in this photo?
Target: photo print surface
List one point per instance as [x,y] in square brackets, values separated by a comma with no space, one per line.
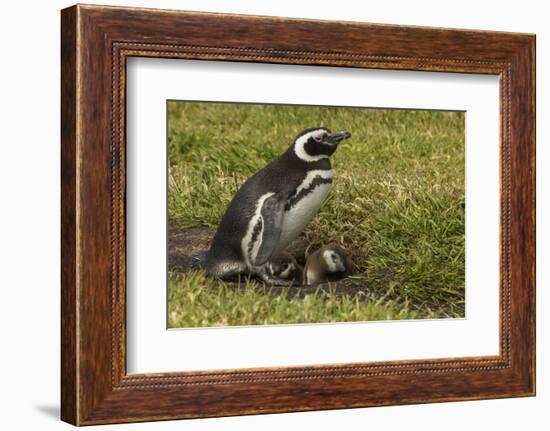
[285,214]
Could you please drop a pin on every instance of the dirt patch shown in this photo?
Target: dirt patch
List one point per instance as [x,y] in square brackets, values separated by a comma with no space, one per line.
[184,243]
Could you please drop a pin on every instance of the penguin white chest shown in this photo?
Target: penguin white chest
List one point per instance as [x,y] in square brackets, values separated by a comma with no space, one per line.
[304,204]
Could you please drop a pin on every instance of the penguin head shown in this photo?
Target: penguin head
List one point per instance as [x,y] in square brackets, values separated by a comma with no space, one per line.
[337,260]
[329,263]
[285,267]
[318,143]
[281,269]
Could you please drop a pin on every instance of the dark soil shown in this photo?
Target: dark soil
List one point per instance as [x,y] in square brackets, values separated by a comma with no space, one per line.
[184,243]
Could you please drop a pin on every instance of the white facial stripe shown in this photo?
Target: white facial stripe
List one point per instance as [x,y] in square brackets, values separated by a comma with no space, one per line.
[245,242]
[300,150]
[334,265]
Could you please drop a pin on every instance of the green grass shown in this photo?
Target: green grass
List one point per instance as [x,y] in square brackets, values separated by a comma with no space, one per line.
[196,300]
[396,205]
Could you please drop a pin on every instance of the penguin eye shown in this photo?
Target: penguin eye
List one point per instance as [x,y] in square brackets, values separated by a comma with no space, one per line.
[321,137]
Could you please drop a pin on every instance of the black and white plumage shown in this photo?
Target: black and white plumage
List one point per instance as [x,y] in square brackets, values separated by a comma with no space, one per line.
[273,207]
[285,267]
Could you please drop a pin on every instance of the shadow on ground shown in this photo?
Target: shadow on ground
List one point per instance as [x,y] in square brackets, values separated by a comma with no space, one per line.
[51,411]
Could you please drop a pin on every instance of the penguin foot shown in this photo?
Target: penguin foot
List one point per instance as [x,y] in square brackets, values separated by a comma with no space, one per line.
[265,274]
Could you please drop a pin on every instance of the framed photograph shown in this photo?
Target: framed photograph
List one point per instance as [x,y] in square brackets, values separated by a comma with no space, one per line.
[264,215]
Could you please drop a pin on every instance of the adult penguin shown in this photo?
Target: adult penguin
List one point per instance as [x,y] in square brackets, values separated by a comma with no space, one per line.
[273,207]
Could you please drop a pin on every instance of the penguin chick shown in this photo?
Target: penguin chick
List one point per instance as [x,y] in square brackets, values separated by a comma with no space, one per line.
[329,263]
[284,268]
[273,207]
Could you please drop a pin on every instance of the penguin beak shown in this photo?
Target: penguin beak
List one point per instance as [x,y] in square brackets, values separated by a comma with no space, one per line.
[336,137]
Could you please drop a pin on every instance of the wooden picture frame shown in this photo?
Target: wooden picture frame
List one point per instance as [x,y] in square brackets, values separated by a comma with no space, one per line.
[95,43]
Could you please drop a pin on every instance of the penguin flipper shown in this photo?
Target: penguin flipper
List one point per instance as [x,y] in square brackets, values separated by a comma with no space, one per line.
[272,214]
